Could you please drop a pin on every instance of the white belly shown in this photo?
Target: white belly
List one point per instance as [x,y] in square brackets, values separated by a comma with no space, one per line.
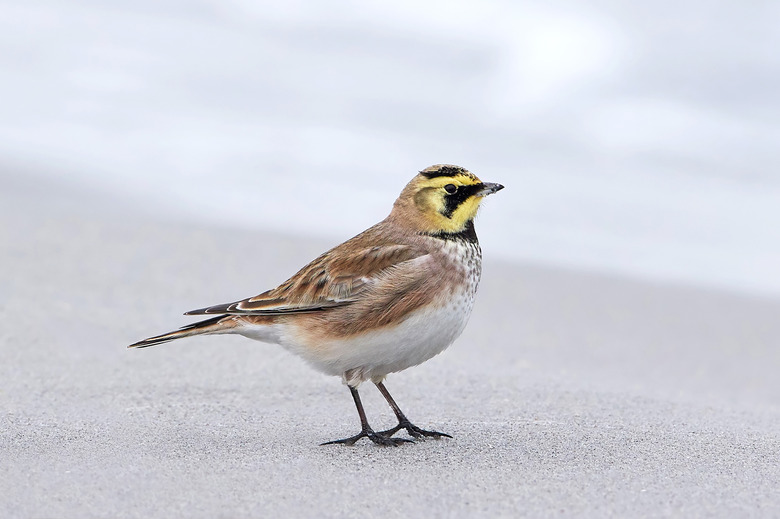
[372,355]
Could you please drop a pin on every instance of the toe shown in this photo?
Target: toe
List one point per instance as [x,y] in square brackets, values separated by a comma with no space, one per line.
[380,439]
[416,432]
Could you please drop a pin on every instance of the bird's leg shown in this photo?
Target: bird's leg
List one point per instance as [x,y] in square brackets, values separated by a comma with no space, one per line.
[403,421]
[366,430]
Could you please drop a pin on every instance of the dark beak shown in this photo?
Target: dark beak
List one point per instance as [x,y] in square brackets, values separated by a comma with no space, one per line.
[488,188]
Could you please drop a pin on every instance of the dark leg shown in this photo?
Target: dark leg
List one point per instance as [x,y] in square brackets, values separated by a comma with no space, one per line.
[366,430]
[403,421]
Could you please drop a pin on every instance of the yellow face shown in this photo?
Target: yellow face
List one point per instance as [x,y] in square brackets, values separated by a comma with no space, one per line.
[448,197]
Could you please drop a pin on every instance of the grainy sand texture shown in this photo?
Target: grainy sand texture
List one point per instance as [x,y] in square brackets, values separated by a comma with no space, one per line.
[569,394]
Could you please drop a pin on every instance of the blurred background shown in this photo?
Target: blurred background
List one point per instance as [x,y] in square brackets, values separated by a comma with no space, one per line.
[634,138]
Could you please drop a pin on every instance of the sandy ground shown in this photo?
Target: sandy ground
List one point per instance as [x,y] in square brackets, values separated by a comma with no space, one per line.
[569,394]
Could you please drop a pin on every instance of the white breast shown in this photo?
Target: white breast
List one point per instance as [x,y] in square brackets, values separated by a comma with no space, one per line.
[422,335]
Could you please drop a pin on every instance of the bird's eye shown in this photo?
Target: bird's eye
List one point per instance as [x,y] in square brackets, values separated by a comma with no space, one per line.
[450,188]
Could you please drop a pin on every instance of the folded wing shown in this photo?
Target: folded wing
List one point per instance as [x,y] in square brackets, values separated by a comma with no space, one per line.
[335,279]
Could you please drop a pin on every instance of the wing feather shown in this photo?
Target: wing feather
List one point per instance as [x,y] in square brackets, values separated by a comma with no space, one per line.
[335,279]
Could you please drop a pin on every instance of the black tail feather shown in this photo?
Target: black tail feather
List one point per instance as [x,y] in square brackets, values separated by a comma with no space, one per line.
[184,331]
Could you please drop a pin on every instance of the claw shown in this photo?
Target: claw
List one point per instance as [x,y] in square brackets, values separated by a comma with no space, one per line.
[375,437]
[413,431]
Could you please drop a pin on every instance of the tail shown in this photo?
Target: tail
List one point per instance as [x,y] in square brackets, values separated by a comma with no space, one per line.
[214,325]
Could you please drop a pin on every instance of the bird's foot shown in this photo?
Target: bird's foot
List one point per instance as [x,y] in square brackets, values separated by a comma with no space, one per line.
[378,438]
[413,431]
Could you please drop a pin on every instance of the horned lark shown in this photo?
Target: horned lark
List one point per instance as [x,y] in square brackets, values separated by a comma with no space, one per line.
[390,298]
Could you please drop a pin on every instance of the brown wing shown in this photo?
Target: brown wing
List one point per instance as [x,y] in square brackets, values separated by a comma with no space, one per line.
[335,279]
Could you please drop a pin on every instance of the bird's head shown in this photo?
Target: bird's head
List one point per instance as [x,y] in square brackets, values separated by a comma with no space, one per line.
[442,199]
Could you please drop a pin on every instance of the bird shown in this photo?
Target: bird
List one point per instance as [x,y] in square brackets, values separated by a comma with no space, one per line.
[388,299]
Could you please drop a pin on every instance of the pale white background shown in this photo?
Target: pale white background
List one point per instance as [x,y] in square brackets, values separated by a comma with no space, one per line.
[634,138]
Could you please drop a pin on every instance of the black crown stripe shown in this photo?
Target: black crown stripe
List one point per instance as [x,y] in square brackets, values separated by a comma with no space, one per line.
[444,171]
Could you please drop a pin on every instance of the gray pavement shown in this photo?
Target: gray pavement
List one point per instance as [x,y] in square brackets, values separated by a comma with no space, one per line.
[569,394]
